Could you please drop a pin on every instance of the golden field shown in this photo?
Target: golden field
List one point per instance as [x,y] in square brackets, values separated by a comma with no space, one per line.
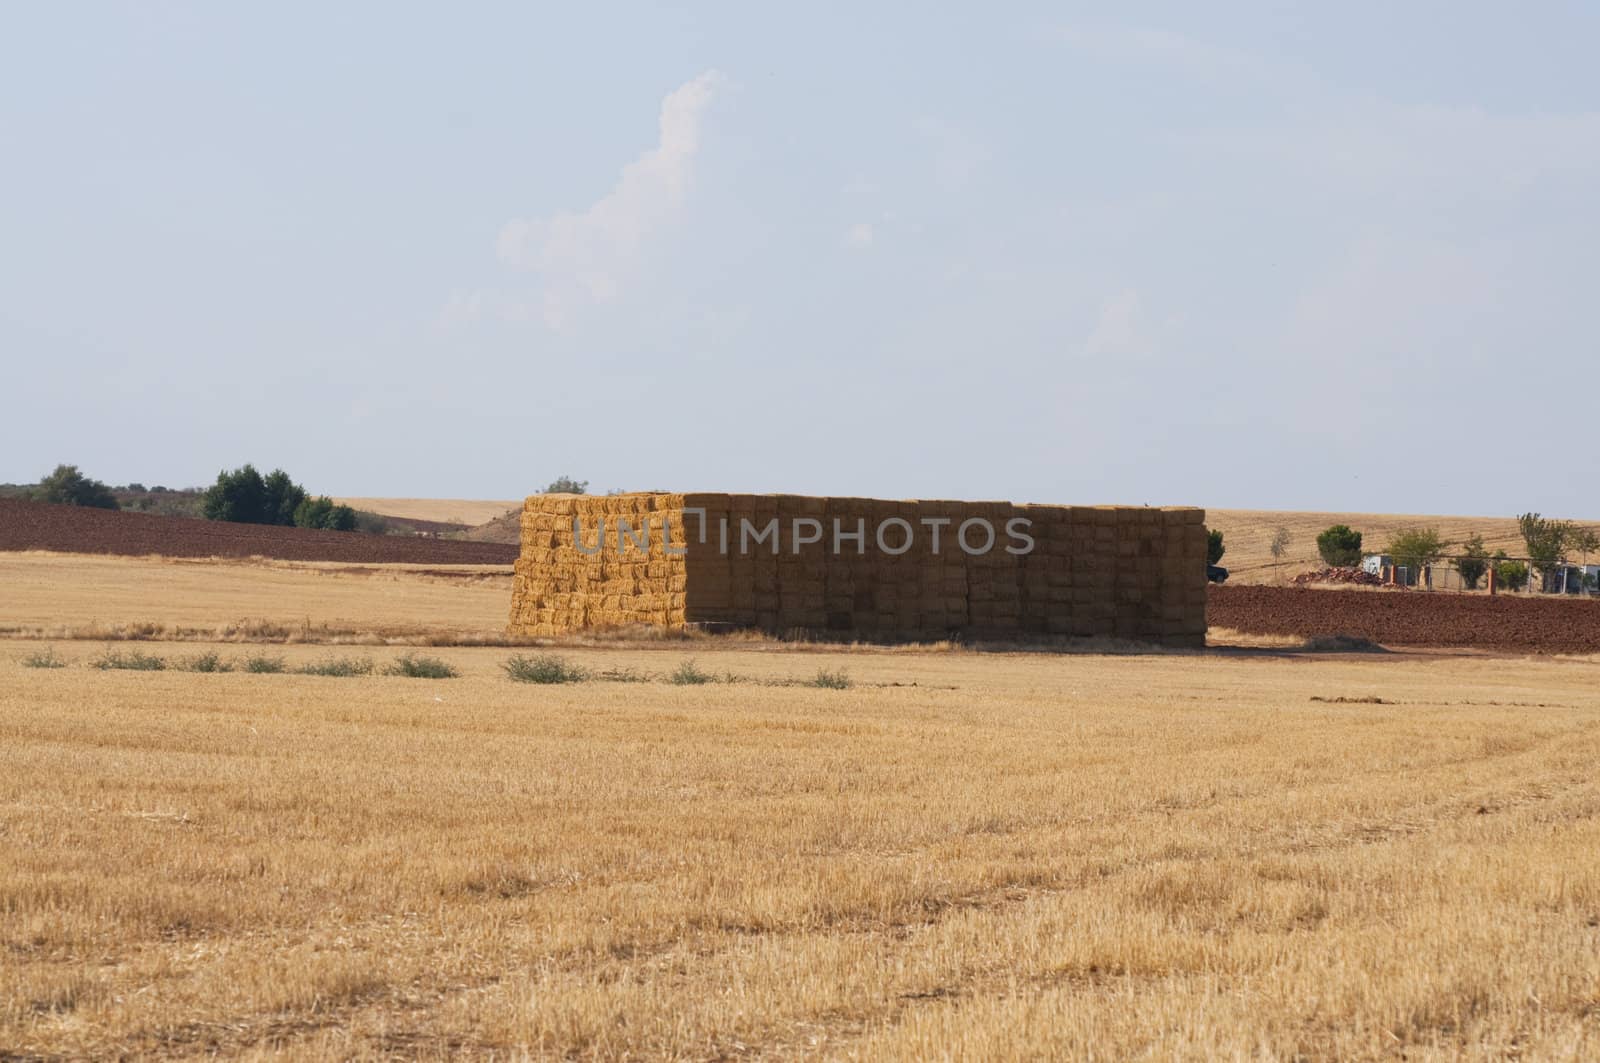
[444,510]
[1247,534]
[1223,854]
[82,596]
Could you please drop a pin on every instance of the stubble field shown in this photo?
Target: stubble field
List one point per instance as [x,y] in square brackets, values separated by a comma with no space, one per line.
[1223,854]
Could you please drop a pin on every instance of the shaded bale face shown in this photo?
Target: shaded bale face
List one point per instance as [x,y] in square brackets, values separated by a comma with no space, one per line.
[860,567]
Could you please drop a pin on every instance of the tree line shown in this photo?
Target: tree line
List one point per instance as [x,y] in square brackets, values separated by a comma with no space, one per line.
[1549,542]
[241,496]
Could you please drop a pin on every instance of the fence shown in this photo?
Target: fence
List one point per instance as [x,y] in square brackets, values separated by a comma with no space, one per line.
[1565,578]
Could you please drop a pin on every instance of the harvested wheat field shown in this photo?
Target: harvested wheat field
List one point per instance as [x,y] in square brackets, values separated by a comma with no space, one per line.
[1247,533]
[87,596]
[470,511]
[1192,855]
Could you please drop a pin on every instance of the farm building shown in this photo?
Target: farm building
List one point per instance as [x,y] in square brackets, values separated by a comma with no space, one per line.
[861,568]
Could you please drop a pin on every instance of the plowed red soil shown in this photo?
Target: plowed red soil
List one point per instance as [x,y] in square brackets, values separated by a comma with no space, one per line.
[1412,618]
[73,529]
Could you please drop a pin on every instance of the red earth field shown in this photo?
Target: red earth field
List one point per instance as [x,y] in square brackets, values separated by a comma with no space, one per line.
[1503,623]
[72,529]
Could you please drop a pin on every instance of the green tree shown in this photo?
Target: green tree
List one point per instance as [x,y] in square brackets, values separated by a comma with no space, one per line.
[1340,546]
[238,496]
[1416,548]
[68,487]
[244,496]
[1512,575]
[1279,545]
[1547,541]
[1473,562]
[566,485]
[1586,541]
[281,497]
[1214,547]
[321,512]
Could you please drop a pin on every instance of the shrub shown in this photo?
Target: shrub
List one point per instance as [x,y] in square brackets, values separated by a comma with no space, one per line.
[566,485]
[206,662]
[623,675]
[370,523]
[1340,546]
[413,666]
[1214,547]
[68,487]
[1512,575]
[338,666]
[1473,562]
[837,680]
[320,512]
[45,659]
[261,664]
[689,674]
[543,668]
[131,661]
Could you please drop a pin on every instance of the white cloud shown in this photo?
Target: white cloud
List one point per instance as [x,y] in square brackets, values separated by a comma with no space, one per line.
[859,235]
[585,257]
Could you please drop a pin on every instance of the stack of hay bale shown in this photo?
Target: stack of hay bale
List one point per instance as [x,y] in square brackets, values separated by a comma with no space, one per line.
[860,567]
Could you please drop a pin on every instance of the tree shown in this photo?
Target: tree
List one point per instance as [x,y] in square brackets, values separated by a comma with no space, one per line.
[321,512]
[68,487]
[566,485]
[238,496]
[1512,575]
[1586,541]
[1279,545]
[1340,546]
[1416,548]
[244,496]
[1473,562]
[1547,541]
[1214,547]
[281,497]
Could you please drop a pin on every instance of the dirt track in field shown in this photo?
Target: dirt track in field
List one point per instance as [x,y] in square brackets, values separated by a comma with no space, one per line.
[1412,618]
[72,529]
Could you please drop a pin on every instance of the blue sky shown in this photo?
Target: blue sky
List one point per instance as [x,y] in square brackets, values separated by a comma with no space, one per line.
[1225,255]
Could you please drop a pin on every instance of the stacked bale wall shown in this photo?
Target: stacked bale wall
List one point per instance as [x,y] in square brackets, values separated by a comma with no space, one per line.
[1135,573]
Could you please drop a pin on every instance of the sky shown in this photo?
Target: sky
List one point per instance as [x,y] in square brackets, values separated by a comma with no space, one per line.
[1281,256]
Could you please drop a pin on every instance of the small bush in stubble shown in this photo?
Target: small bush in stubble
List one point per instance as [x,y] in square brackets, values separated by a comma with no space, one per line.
[206,662]
[45,659]
[132,661]
[623,675]
[261,664]
[837,680]
[544,668]
[689,674]
[342,667]
[413,666]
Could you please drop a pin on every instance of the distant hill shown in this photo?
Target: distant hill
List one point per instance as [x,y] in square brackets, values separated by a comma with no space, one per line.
[1247,534]
[467,512]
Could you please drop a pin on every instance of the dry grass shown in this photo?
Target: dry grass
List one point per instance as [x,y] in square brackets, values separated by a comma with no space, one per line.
[445,510]
[1174,856]
[1248,533]
[74,596]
